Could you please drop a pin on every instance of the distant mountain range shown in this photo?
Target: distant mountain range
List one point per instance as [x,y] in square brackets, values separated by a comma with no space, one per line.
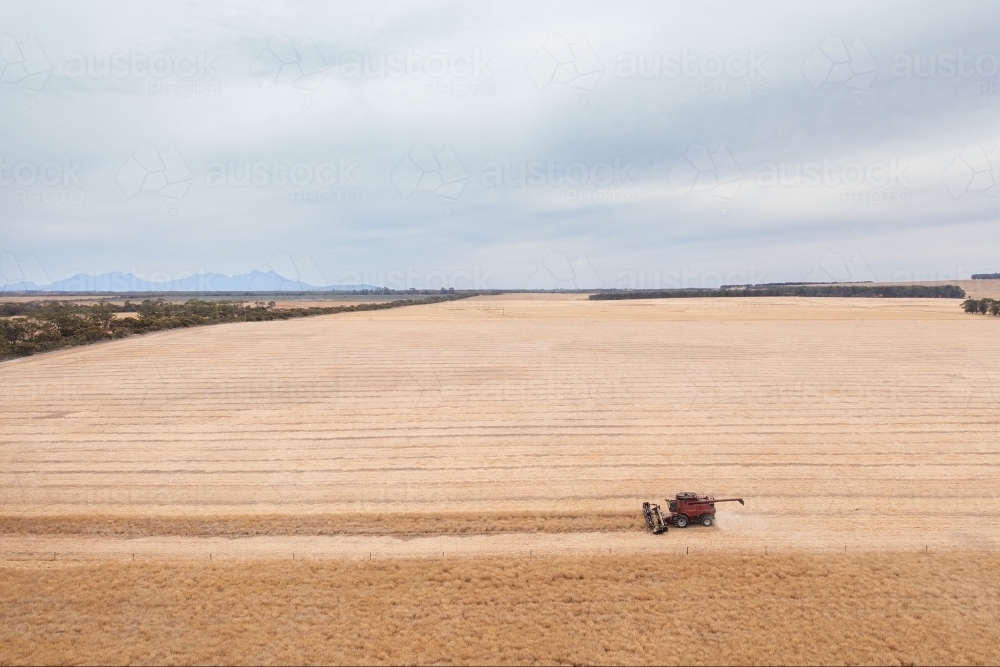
[116,281]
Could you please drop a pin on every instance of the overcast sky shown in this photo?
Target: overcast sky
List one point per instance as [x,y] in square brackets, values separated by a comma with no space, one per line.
[509,144]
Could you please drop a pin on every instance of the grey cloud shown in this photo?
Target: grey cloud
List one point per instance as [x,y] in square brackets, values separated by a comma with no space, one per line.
[367,139]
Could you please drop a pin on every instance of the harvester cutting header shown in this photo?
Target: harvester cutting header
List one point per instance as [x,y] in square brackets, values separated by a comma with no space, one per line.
[684,509]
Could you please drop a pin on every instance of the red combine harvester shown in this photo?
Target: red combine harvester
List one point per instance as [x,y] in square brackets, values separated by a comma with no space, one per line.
[685,508]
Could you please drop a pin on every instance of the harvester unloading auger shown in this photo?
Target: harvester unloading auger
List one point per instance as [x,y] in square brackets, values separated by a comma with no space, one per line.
[685,508]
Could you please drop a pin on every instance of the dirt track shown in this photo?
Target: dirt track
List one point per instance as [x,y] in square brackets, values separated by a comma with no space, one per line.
[867,423]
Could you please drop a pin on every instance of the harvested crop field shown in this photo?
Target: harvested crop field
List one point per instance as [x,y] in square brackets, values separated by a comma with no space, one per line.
[439,466]
[831,416]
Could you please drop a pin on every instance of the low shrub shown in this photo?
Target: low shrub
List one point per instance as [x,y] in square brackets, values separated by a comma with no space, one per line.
[39,326]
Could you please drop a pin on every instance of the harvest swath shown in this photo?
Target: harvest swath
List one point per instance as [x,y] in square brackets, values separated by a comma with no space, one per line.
[511,427]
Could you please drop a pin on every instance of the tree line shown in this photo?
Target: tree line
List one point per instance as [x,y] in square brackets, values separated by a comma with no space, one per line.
[39,326]
[872,291]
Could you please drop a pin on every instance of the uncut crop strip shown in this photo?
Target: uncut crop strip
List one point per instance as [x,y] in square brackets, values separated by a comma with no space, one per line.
[484,523]
[719,609]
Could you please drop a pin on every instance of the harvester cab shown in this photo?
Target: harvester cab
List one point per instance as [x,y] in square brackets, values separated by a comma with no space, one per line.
[684,509]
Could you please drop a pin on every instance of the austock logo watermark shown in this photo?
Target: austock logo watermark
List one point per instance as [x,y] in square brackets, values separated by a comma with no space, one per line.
[458,73]
[601,182]
[177,74]
[833,268]
[685,277]
[836,62]
[304,269]
[283,61]
[718,174]
[472,278]
[149,170]
[873,182]
[976,169]
[326,182]
[857,399]
[18,274]
[427,170]
[45,183]
[561,62]
[701,170]
[558,272]
[23,63]
[301,65]
[732,74]
[426,390]
[917,276]
[950,65]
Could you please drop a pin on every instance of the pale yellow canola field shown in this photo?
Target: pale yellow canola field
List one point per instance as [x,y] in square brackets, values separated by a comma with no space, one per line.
[861,424]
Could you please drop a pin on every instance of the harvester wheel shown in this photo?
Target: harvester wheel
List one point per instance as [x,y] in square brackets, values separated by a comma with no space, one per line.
[681,521]
[706,520]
